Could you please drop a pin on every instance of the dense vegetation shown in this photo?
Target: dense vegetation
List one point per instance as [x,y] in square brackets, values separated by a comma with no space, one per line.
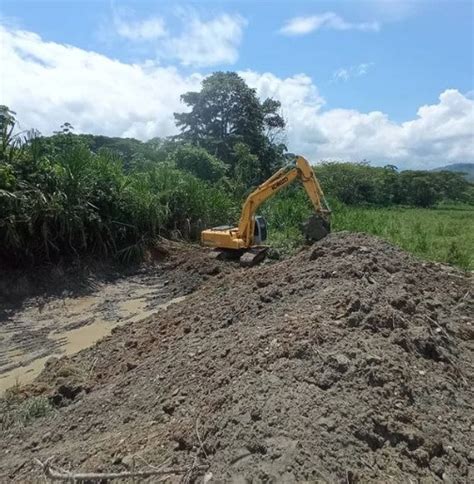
[58,198]
[67,195]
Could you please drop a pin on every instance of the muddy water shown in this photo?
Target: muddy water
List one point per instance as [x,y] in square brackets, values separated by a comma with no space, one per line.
[64,326]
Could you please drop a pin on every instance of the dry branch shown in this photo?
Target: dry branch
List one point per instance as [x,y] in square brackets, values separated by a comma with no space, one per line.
[56,474]
[201,444]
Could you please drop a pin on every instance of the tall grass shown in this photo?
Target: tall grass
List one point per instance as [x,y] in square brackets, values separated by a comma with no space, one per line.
[69,201]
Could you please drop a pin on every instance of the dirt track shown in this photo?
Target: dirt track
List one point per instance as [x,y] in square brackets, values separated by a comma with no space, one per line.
[350,362]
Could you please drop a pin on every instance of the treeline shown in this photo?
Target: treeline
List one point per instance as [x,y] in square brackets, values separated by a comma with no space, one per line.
[68,195]
[362,184]
[350,183]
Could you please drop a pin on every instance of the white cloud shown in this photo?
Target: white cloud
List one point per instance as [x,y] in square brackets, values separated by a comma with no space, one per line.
[441,133]
[327,20]
[197,42]
[207,43]
[140,30]
[48,83]
[300,101]
[346,73]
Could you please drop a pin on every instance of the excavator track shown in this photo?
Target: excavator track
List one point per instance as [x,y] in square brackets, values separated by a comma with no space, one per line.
[247,258]
[225,254]
[253,256]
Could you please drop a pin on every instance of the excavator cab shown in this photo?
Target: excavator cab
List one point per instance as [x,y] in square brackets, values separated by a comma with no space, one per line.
[260,230]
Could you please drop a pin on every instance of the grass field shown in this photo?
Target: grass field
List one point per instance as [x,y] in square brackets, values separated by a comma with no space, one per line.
[443,234]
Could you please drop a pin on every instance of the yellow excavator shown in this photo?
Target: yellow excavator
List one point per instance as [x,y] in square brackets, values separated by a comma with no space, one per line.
[246,240]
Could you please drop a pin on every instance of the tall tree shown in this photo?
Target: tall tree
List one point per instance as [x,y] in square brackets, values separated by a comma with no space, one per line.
[225,112]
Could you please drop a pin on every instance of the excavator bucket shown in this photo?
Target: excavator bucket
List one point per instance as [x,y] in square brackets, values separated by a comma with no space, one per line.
[316,228]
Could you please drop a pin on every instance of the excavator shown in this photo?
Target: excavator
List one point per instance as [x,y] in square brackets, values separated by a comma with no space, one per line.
[246,240]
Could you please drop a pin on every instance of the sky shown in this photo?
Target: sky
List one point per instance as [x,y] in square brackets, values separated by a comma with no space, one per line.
[387,81]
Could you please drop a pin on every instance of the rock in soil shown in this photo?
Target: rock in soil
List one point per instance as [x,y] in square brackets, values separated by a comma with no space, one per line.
[349,362]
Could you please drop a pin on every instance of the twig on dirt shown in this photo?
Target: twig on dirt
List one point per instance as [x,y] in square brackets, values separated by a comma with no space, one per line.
[201,444]
[133,470]
[368,464]
[92,367]
[191,471]
[159,468]
[468,293]
[430,319]
[457,369]
[57,474]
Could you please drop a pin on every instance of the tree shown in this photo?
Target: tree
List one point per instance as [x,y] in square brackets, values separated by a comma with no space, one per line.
[199,162]
[351,183]
[225,112]
[452,185]
[247,169]
[418,188]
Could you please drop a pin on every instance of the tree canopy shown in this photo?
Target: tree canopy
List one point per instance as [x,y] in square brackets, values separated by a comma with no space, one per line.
[225,112]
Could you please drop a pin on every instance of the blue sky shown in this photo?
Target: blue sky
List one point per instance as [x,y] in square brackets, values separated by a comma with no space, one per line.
[360,71]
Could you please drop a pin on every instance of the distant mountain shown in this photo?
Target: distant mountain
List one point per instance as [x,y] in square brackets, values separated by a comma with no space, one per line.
[467,168]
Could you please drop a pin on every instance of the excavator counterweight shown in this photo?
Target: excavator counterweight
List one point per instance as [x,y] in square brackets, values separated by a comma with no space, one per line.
[246,240]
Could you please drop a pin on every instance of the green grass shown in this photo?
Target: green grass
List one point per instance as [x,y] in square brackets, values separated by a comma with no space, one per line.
[435,234]
[16,412]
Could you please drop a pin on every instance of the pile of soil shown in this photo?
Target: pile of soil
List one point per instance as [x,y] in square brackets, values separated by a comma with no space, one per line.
[349,362]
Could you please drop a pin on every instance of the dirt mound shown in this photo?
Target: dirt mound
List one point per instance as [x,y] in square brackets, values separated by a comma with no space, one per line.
[350,362]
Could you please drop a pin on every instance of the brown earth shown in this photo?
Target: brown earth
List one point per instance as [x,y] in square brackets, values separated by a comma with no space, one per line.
[349,362]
